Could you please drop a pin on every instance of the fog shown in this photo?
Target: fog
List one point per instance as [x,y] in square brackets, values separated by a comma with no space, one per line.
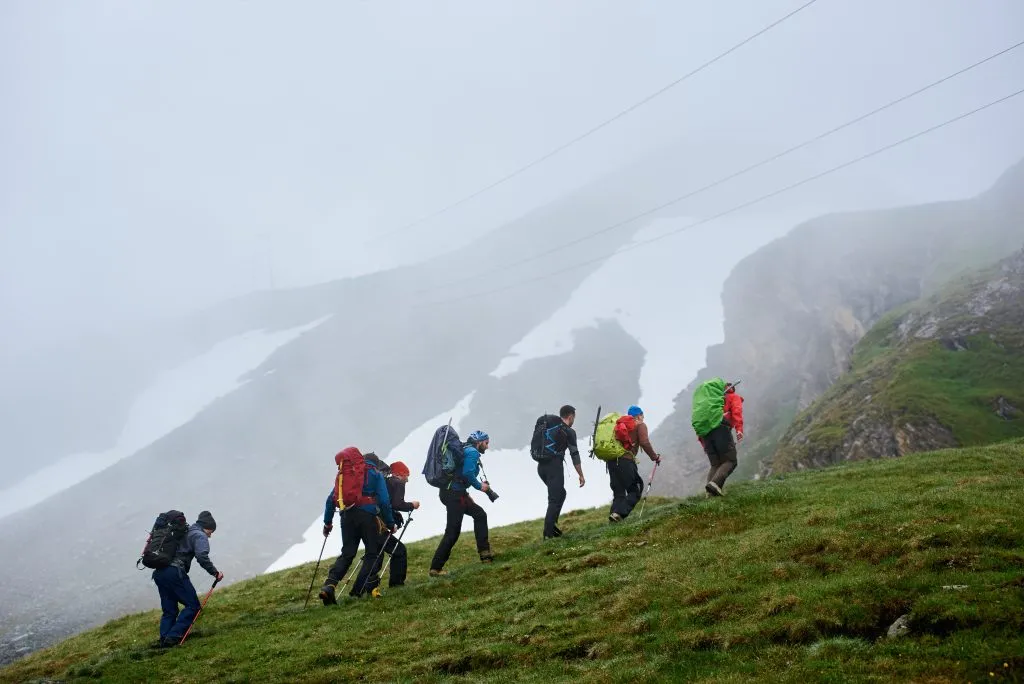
[158,161]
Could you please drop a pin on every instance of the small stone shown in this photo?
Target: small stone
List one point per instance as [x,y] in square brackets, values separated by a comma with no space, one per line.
[899,628]
[955,587]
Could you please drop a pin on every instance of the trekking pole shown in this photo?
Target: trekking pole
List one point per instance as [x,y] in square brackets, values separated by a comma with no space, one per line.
[396,546]
[315,571]
[189,631]
[353,572]
[649,483]
[375,561]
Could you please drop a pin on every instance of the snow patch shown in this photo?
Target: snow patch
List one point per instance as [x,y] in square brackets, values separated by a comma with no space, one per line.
[175,398]
[668,299]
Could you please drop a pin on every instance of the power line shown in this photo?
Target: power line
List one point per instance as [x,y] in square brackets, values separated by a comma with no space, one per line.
[736,208]
[547,251]
[595,129]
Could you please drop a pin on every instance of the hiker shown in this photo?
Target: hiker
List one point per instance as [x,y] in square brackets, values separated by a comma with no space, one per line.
[362,495]
[458,504]
[717,410]
[627,486]
[174,584]
[398,476]
[552,436]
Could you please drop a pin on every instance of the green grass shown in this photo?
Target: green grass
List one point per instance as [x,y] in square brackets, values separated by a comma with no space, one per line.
[794,578]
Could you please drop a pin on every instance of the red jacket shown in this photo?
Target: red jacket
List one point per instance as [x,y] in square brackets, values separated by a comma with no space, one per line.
[734,409]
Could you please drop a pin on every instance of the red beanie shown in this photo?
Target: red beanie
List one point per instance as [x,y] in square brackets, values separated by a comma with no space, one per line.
[400,469]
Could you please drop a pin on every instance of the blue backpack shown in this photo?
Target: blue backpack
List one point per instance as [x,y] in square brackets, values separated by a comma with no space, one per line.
[445,456]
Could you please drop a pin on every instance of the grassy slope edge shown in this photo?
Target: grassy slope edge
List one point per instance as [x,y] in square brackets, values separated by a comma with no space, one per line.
[795,578]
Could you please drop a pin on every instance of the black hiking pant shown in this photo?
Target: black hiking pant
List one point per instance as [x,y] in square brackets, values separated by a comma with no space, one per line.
[552,473]
[399,559]
[627,486]
[458,504]
[721,451]
[357,525]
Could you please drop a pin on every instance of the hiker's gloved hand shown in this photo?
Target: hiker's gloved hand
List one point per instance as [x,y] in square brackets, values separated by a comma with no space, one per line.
[327,529]
[220,576]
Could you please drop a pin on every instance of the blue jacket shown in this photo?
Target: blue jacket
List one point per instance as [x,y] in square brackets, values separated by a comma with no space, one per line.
[374,486]
[470,470]
[195,545]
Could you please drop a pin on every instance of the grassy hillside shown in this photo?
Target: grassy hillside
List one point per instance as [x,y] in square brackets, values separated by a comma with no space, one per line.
[942,371]
[796,578]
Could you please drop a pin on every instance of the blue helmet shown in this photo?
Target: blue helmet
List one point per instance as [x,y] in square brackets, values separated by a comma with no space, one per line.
[635,411]
[478,436]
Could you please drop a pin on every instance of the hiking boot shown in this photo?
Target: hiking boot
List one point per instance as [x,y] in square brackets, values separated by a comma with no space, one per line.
[558,532]
[486,556]
[327,595]
[169,642]
[438,573]
[614,518]
[713,489]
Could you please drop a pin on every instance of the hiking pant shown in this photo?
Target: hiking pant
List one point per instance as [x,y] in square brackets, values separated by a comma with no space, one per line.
[357,525]
[458,504]
[721,450]
[626,484]
[552,473]
[175,587]
[399,561]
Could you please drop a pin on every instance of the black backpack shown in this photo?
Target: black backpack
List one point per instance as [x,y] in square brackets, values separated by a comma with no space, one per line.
[548,439]
[168,531]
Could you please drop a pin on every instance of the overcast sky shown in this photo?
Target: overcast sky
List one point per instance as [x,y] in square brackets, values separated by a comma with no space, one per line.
[158,157]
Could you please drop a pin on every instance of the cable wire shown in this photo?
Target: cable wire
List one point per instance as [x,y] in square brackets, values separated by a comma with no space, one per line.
[762,198]
[595,129]
[724,179]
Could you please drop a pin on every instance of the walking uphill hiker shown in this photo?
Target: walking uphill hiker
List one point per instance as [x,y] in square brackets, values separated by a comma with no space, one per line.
[361,494]
[455,496]
[717,409]
[172,580]
[396,480]
[552,435]
[618,441]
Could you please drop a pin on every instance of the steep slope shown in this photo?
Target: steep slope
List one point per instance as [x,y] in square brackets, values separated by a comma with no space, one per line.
[795,309]
[793,579]
[944,371]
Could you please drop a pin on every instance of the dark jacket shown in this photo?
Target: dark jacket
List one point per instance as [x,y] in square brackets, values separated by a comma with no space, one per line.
[194,545]
[396,490]
[570,444]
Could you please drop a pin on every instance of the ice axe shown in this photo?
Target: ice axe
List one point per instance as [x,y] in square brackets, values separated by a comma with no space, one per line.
[189,631]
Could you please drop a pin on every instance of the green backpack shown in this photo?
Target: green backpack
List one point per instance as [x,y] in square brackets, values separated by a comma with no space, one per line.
[708,406]
[606,447]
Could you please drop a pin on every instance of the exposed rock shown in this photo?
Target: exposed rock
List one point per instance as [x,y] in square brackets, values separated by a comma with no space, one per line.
[899,628]
[1006,410]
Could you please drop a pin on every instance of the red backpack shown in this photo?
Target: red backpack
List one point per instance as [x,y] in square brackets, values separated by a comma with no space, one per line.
[351,479]
[624,426]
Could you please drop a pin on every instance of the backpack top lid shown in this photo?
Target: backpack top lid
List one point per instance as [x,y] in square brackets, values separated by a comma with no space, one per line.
[708,406]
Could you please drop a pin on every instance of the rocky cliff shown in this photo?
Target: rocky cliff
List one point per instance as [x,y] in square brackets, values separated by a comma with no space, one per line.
[795,309]
[947,370]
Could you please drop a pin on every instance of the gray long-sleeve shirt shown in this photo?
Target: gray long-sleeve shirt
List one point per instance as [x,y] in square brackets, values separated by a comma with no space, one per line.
[195,545]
